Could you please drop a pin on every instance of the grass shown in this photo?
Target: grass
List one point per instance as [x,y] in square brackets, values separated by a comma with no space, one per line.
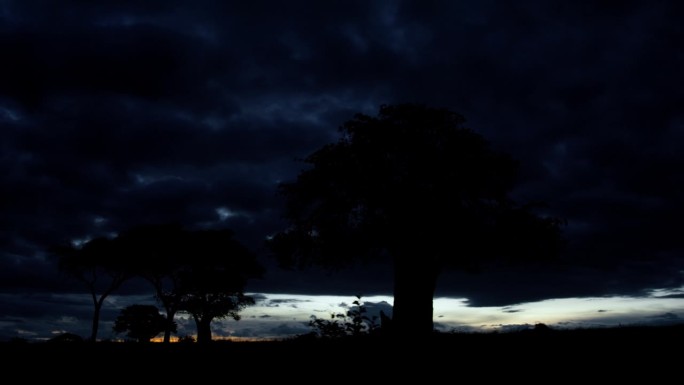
[613,352]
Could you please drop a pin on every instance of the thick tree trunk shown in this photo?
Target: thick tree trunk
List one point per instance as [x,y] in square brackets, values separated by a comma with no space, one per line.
[203,329]
[414,288]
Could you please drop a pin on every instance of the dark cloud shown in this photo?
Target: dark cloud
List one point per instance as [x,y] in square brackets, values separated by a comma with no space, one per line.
[511,310]
[246,332]
[450,328]
[285,301]
[575,277]
[258,297]
[221,329]
[374,309]
[673,296]
[368,279]
[514,327]
[289,329]
[667,317]
[116,113]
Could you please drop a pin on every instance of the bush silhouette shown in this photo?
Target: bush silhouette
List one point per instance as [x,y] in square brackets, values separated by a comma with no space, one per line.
[141,322]
[354,323]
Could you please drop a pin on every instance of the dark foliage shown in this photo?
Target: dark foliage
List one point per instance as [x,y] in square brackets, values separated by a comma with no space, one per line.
[415,186]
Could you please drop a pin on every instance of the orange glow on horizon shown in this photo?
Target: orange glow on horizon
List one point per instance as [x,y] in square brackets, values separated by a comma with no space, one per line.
[175,339]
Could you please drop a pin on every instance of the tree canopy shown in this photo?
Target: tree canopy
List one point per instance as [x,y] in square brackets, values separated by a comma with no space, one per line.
[413,184]
[100,265]
[211,282]
[160,252]
[202,272]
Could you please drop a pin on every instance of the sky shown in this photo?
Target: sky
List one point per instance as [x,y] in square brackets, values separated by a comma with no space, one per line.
[117,113]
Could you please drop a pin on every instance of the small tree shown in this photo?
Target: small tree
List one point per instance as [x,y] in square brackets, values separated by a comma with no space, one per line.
[200,272]
[359,323]
[160,253]
[354,323]
[100,266]
[142,322]
[206,306]
[213,277]
[328,328]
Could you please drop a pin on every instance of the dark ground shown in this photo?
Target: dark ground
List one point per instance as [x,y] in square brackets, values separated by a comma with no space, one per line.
[637,354]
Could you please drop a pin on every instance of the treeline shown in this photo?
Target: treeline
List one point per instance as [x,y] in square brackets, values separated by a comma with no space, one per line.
[200,272]
[411,185]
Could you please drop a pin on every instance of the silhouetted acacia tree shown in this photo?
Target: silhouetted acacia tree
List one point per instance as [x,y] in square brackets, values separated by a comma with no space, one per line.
[160,254]
[412,184]
[201,272]
[205,306]
[211,282]
[142,322]
[100,265]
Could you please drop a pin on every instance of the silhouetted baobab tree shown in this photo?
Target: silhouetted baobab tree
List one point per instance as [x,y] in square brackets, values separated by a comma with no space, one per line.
[415,185]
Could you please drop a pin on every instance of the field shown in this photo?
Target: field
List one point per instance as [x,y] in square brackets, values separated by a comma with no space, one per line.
[632,353]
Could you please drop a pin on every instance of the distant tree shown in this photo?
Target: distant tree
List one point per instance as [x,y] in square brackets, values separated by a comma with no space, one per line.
[413,185]
[141,322]
[161,255]
[201,272]
[211,284]
[206,306]
[100,265]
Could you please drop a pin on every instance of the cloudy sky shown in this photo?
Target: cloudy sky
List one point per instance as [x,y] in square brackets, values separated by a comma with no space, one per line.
[116,113]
